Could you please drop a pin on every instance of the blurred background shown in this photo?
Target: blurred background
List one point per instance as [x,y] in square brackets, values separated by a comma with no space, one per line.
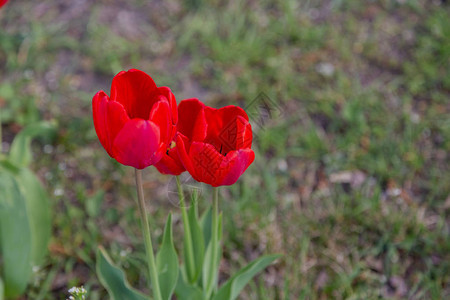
[351,176]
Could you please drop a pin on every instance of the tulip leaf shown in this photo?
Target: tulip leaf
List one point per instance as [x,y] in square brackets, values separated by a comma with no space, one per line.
[210,284]
[38,209]
[167,263]
[113,279]
[197,241]
[15,237]
[231,289]
[205,222]
[184,291]
[20,153]
[210,265]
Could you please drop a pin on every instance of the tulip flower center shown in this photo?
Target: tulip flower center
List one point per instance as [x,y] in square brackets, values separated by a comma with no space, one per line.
[219,146]
[171,146]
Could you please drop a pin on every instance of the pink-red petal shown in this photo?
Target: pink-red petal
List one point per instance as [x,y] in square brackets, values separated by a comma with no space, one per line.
[244,134]
[183,146]
[234,165]
[206,161]
[138,144]
[207,165]
[136,91]
[221,118]
[109,119]
[170,163]
[161,116]
[191,119]
[165,91]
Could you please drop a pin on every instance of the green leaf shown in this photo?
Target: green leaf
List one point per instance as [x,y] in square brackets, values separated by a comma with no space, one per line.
[167,263]
[20,153]
[197,240]
[209,284]
[15,237]
[206,222]
[184,291]
[38,209]
[231,289]
[113,279]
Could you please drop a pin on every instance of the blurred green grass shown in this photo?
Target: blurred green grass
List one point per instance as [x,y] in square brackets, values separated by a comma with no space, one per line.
[350,180]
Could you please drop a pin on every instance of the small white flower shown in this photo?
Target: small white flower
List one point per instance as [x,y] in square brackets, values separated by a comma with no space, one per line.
[78,293]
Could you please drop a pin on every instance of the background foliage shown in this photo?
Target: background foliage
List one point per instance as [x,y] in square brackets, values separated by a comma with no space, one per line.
[351,175]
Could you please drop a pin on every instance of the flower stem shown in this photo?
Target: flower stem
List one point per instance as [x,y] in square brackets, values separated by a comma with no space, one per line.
[215,222]
[147,237]
[187,233]
[213,272]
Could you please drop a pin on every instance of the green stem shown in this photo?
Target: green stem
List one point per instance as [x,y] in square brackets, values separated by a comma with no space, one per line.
[215,242]
[187,232]
[147,237]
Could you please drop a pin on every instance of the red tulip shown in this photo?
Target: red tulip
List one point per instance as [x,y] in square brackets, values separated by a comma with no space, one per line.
[138,122]
[214,145]
[3,2]
[170,163]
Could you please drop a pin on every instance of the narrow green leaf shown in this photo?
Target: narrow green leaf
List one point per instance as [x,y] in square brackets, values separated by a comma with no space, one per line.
[184,291]
[206,222]
[167,263]
[113,279]
[231,289]
[210,271]
[206,266]
[209,284]
[15,237]
[20,153]
[38,209]
[197,240]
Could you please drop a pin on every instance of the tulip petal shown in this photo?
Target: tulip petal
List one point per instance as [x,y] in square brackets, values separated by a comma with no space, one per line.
[221,118]
[192,122]
[215,169]
[136,91]
[206,161]
[161,116]
[214,144]
[99,111]
[237,134]
[228,128]
[109,119]
[234,165]
[183,146]
[138,144]
[165,91]
[244,134]
[170,163]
